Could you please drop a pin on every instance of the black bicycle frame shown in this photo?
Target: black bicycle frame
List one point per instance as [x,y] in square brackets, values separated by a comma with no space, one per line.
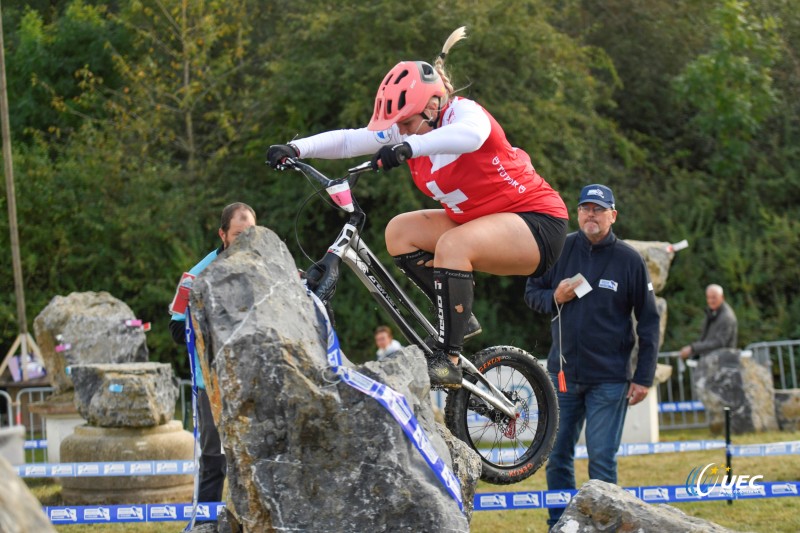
[354,252]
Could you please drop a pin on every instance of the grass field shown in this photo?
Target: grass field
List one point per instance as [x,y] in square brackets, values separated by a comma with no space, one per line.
[760,515]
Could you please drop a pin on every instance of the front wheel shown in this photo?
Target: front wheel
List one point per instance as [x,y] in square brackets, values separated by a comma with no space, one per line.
[510,450]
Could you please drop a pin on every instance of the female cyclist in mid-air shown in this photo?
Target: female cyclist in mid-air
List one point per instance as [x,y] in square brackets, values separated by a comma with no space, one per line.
[499,215]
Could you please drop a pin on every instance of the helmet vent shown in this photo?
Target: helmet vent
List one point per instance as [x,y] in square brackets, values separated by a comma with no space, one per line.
[402,103]
[400,77]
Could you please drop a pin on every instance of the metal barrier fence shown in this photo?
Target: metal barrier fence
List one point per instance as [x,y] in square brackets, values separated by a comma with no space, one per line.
[678,389]
[33,422]
[9,417]
[780,355]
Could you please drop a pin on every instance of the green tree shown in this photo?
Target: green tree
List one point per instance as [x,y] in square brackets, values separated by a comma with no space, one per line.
[48,67]
[730,87]
[543,86]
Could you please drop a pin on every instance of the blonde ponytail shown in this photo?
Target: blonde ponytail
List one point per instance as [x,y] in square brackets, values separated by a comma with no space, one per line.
[457,35]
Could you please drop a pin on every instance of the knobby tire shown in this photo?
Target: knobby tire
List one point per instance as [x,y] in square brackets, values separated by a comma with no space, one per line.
[525,443]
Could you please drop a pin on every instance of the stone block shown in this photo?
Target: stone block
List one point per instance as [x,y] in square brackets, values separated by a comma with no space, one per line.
[12,444]
[125,395]
[88,444]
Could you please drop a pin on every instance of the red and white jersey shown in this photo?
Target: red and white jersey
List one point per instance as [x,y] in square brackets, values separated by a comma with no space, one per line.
[495,178]
[467,164]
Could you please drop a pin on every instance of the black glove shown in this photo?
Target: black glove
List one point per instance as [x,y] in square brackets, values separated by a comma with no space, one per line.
[390,157]
[278,153]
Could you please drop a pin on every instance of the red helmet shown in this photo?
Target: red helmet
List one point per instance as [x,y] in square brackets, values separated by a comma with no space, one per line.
[405,92]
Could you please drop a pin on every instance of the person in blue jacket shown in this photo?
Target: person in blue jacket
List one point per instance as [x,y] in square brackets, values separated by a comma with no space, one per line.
[593,337]
[235,218]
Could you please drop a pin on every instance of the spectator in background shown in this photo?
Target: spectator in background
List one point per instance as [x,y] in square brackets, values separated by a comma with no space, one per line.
[235,219]
[386,343]
[593,337]
[720,328]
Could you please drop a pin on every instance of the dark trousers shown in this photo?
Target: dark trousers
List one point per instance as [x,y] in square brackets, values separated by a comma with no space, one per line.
[212,461]
[603,406]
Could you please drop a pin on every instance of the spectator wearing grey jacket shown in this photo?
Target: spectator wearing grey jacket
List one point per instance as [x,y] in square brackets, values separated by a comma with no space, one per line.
[720,327]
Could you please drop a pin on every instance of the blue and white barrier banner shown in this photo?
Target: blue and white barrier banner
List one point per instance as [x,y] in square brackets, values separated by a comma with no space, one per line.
[106,469]
[545,499]
[107,514]
[396,404]
[680,407]
[399,408]
[35,444]
[162,468]
[484,501]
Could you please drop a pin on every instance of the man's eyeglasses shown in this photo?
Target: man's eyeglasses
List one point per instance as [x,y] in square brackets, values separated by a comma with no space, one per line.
[596,209]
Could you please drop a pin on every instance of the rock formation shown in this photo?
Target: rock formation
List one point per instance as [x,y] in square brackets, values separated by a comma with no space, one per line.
[86,327]
[599,507]
[125,395]
[306,452]
[725,379]
[20,511]
[787,409]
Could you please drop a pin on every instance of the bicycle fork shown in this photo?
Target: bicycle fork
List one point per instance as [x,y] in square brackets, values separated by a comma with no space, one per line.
[496,399]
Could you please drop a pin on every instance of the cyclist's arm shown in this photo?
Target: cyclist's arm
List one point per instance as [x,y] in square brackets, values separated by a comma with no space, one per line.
[341,144]
[466,127]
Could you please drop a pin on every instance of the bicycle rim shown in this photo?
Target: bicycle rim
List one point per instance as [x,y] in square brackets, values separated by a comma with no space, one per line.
[511,449]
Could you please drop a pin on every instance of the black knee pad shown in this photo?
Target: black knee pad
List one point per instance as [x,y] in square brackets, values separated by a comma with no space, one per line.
[413,266]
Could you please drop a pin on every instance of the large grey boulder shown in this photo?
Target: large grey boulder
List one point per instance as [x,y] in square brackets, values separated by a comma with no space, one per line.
[600,507]
[93,325]
[658,258]
[725,379]
[125,395]
[20,511]
[306,452]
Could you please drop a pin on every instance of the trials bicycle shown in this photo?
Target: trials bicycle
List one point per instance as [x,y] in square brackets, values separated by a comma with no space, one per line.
[506,409]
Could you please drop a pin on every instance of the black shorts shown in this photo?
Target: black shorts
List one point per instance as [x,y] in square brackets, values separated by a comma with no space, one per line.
[550,233]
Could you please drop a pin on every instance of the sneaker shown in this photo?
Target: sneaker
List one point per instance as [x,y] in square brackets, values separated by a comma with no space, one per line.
[473,328]
[442,371]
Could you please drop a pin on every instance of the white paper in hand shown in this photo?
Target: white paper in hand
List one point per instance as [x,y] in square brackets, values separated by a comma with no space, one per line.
[583,288]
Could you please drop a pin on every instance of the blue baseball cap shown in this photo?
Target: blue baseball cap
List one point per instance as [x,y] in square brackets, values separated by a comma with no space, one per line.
[597,194]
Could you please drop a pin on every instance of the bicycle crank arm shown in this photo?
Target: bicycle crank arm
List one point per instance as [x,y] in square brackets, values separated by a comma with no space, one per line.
[496,399]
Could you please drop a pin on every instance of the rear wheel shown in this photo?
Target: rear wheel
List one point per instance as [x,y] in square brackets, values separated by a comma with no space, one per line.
[511,450]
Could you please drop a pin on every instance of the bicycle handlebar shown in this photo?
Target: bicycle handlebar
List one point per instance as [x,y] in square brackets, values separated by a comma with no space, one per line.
[353,173]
